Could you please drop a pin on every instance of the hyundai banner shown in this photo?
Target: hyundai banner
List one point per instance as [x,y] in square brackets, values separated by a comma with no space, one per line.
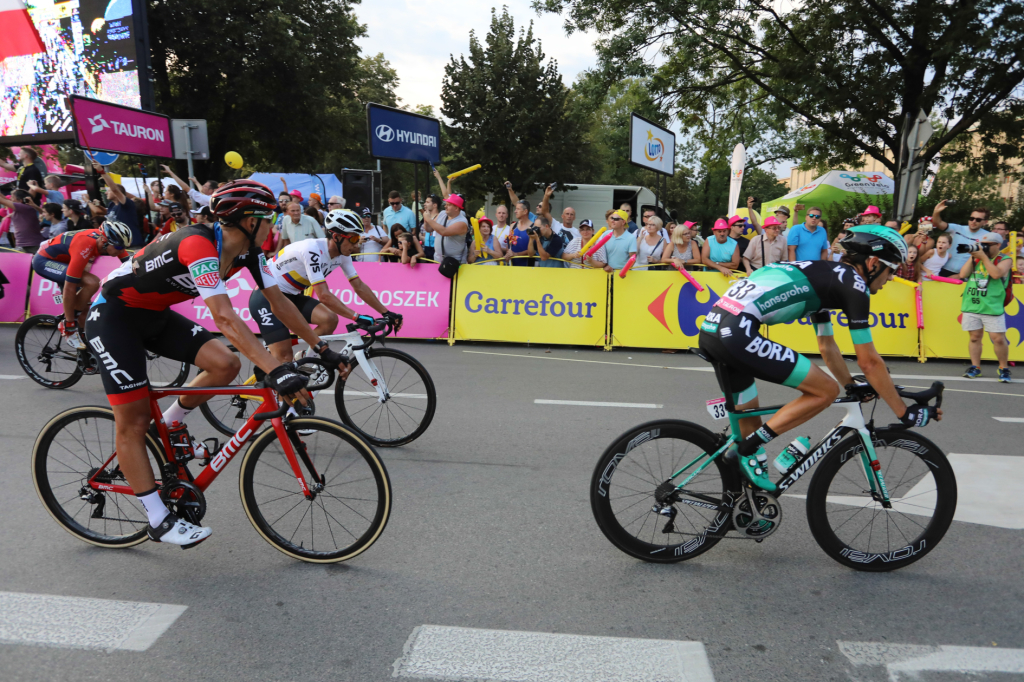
[101,126]
[404,136]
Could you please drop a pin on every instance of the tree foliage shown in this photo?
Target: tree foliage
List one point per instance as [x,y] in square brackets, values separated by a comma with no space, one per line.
[281,83]
[840,76]
[507,108]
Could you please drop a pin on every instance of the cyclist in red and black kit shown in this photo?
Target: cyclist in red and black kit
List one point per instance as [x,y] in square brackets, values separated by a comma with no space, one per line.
[66,259]
[132,314]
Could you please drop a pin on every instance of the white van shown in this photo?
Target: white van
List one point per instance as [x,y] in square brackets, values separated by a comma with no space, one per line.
[590,201]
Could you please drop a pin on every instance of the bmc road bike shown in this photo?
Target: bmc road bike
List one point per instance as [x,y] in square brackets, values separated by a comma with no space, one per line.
[388,398]
[881,499]
[311,487]
[50,362]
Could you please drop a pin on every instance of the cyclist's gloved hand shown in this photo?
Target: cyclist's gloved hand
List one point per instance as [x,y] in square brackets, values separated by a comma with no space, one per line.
[332,358]
[286,380]
[918,415]
[394,319]
[363,321]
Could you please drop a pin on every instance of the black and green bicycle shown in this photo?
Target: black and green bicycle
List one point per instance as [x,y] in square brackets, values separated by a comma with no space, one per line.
[881,499]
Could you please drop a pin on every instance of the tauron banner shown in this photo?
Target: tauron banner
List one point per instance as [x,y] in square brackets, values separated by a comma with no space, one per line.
[101,126]
[403,135]
[651,146]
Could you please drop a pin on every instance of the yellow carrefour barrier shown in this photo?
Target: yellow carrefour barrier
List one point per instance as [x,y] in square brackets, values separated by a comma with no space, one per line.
[662,310]
[945,338]
[531,305]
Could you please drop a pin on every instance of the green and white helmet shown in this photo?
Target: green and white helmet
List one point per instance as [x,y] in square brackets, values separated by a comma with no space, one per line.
[876,240]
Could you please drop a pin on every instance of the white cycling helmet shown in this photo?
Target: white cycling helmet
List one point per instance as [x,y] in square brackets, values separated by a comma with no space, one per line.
[118,234]
[343,221]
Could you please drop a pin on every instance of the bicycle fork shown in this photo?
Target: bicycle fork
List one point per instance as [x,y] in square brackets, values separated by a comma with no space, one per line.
[373,375]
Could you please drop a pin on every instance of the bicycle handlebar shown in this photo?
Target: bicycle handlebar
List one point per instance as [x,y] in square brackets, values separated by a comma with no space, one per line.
[283,409]
[372,331]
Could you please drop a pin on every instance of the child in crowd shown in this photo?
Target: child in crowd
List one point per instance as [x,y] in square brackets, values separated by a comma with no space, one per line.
[935,259]
[910,269]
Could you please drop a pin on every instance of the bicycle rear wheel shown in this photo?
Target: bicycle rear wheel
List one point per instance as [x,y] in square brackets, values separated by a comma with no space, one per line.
[350,508]
[164,372]
[407,412]
[227,413]
[853,527]
[44,356]
[67,452]
[625,499]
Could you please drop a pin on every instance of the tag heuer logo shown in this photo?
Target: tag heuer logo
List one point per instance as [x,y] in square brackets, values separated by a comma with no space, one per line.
[205,273]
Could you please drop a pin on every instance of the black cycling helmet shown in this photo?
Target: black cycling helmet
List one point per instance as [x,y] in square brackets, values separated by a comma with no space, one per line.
[240,199]
[880,241]
[343,221]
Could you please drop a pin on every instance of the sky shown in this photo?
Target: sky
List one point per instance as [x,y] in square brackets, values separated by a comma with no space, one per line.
[418,38]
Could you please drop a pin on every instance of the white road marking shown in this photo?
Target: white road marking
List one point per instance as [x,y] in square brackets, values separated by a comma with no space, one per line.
[373,394]
[12,377]
[988,492]
[82,623]
[449,653]
[1010,420]
[589,403]
[913,659]
[594,362]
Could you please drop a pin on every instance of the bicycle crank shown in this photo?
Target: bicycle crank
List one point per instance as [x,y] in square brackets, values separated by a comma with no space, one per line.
[184,500]
[757,514]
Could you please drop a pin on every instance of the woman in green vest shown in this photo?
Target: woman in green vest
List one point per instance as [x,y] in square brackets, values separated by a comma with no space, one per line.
[986,275]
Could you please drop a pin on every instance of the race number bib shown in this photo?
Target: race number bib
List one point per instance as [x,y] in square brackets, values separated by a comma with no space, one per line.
[736,298]
[716,408]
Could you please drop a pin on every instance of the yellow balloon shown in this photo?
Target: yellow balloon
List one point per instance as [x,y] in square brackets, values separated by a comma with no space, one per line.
[233,159]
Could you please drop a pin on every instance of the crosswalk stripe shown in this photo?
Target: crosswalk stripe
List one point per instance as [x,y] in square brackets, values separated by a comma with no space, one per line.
[11,377]
[589,403]
[452,653]
[1010,420]
[914,658]
[83,623]
[373,394]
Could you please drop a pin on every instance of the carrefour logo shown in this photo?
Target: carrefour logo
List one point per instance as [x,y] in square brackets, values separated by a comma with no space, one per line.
[386,133]
[654,150]
[860,177]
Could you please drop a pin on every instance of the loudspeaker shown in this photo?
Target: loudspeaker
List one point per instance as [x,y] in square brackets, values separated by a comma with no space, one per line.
[361,188]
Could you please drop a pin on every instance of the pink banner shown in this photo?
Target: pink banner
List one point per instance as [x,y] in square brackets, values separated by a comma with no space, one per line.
[16,268]
[240,287]
[420,294]
[101,126]
[40,298]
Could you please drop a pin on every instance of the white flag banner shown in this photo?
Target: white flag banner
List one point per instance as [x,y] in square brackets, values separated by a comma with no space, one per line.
[739,162]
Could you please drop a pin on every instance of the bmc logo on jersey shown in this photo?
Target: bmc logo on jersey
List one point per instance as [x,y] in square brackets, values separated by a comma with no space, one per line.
[205,273]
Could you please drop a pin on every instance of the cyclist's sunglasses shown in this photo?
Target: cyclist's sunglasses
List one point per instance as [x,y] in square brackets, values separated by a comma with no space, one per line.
[353,238]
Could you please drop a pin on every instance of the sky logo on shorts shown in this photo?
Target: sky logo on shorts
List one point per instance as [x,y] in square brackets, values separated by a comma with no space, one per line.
[205,273]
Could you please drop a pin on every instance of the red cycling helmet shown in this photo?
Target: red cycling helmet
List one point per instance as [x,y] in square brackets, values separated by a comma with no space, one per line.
[240,199]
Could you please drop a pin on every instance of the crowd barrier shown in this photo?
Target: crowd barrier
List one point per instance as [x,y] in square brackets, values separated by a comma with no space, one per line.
[645,309]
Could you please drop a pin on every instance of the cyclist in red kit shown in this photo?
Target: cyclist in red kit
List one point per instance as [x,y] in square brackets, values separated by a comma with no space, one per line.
[132,315]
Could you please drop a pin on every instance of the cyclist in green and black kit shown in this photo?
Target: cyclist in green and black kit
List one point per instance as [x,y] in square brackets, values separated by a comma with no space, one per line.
[784,292]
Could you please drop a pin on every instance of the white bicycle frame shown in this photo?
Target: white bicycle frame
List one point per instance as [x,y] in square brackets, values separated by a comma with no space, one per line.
[373,375]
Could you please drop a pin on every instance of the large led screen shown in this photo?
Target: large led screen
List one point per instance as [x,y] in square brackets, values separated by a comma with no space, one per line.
[90,51]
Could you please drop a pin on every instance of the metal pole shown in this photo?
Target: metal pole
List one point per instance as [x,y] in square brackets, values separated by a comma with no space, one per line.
[188,150]
[416,189]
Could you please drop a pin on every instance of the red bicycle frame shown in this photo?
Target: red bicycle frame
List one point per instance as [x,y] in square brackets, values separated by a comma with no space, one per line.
[227,452]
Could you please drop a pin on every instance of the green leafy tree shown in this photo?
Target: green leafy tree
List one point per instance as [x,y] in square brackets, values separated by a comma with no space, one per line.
[844,75]
[507,108]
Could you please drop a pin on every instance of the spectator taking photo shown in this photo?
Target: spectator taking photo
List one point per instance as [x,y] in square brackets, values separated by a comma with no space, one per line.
[986,275]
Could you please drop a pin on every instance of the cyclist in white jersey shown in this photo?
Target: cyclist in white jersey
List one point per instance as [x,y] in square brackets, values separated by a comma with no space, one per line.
[305,264]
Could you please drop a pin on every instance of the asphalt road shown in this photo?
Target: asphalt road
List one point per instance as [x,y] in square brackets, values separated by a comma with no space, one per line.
[492,529]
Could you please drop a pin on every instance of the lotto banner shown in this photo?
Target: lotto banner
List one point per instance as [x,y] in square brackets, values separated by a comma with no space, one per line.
[40,298]
[531,305]
[420,294]
[944,336]
[16,268]
[663,310]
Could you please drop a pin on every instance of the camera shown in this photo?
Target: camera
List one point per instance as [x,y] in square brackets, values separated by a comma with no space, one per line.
[533,230]
[554,186]
[969,248]
[950,202]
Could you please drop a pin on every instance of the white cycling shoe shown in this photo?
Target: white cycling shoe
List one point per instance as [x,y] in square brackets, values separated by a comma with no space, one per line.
[174,531]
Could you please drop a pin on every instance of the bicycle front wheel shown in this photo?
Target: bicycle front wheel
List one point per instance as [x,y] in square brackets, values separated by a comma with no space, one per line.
[164,372]
[44,356]
[407,412]
[630,493]
[849,522]
[67,454]
[350,506]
